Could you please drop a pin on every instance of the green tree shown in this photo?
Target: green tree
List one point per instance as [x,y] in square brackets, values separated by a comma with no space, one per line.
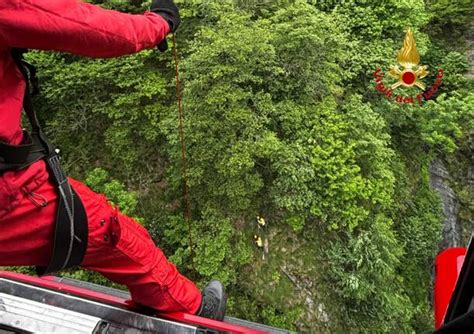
[282,121]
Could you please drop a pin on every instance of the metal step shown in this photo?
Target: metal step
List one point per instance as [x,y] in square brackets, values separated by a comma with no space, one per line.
[256,326]
[34,317]
[126,295]
[37,310]
[54,304]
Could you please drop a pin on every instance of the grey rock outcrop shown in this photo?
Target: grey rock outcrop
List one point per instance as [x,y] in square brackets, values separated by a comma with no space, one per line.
[439,177]
[470,51]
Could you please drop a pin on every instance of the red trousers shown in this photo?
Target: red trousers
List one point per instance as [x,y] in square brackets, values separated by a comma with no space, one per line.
[119,248]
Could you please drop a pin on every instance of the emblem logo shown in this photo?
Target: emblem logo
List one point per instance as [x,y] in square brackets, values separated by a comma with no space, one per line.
[409,73]
[409,58]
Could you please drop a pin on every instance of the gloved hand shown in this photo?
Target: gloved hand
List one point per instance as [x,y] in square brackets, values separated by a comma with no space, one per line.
[168,10]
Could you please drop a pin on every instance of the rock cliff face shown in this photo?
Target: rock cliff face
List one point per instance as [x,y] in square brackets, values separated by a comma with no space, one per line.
[439,178]
[470,51]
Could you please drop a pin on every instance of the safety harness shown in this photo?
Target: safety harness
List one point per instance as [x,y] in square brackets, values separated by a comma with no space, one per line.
[71,228]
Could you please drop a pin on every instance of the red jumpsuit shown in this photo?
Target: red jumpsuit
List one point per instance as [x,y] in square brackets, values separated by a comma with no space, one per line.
[118,247]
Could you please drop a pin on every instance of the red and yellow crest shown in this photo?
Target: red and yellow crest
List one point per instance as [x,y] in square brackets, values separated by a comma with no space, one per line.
[409,58]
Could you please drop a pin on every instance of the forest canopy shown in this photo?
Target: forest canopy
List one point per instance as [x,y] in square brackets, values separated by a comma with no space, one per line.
[282,121]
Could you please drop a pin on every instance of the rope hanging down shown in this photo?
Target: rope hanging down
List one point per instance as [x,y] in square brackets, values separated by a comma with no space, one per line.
[187,203]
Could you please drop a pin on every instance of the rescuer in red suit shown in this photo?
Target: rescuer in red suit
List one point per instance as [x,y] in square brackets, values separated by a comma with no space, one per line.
[118,247]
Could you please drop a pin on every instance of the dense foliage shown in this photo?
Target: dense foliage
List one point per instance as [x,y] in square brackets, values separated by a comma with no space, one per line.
[282,122]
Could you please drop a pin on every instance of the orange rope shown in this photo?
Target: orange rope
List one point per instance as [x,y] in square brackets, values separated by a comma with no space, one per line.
[187,202]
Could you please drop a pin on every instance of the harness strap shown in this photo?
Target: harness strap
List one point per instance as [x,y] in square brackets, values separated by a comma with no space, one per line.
[71,230]
[23,155]
[71,227]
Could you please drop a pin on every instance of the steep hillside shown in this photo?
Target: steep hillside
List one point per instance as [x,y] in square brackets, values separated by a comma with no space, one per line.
[282,121]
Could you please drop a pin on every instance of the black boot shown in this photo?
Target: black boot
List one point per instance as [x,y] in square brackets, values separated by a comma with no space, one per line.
[213,302]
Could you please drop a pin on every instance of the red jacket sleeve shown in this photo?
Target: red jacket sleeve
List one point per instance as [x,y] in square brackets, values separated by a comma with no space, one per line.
[78,27]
